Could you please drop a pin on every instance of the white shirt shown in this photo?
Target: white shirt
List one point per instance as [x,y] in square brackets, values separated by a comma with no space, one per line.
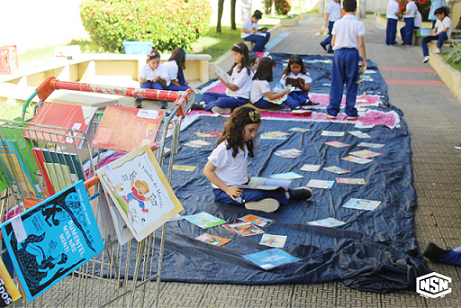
[440,25]
[347,31]
[248,25]
[242,80]
[392,8]
[149,74]
[418,19]
[171,68]
[412,8]
[258,90]
[307,79]
[230,170]
[334,9]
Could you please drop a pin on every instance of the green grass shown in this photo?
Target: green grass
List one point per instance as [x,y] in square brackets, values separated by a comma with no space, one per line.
[11,109]
[456,66]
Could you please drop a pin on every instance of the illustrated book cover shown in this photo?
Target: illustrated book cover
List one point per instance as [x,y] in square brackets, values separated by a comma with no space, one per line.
[212,239]
[257,220]
[270,258]
[337,144]
[329,222]
[370,145]
[352,181]
[245,228]
[332,133]
[204,220]
[273,240]
[357,160]
[361,204]
[222,74]
[9,293]
[266,184]
[359,134]
[310,168]
[336,170]
[320,184]
[286,176]
[208,134]
[365,154]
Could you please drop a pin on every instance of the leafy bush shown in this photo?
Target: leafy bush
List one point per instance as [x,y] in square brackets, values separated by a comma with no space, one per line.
[167,23]
[424,7]
[267,6]
[282,7]
[455,55]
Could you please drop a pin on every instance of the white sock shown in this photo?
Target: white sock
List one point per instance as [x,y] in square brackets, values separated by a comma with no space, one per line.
[287,195]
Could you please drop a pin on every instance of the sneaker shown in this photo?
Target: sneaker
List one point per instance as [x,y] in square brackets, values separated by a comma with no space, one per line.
[138,103]
[267,205]
[433,252]
[164,105]
[353,117]
[458,146]
[323,46]
[437,50]
[221,110]
[197,107]
[329,116]
[407,45]
[426,59]
[301,193]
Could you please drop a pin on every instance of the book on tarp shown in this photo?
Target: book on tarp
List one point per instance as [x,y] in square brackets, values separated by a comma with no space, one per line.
[212,239]
[353,181]
[361,204]
[310,168]
[52,239]
[257,220]
[286,176]
[126,128]
[329,222]
[244,228]
[320,184]
[266,184]
[140,191]
[336,170]
[204,220]
[365,154]
[370,145]
[208,134]
[270,258]
[272,240]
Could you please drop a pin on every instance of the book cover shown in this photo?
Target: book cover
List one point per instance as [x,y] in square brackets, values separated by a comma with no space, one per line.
[273,240]
[51,240]
[126,128]
[365,154]
[184,168]
[204,220]
[121,229]
[268,259]
[311,168]
[266,184]
[320,184]
[295,82]
[223,75]
[197,143]
[336,170]
[359,134]
[290,153]
[299,130]
[370,145]
[361,204]
[208,134]
[350,181]
[286,176]
[257,220]
[337,144]
[275,135]
[212,239]
[140,191]
[329,222]
[176,217]
[357,160]
[9,293]
[244,228]
[332,133]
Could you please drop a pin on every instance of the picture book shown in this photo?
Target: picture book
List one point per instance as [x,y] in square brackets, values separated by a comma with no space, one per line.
[286,176]
[126,128]
[278,101]
[327,222]
[425,32]
[336,170]
[359,134]
[361,204]
[212,239]
[320,184]
[176,217]
[140,191]
[197,143]
[257,220]
[121,229]
[360,77]
[273,240]
[370,145]
[223,75]
[337,144]
[244,228]
[204,220]
[290,153]
[9,293]
[295,82]
[51,240]
[208,134]
[184,168]
[270,258]
[311,168]
[332,133]
[365,154]
[357,160]
[350,181]
[275,135]
[64,118]
[299,130]
[266,184]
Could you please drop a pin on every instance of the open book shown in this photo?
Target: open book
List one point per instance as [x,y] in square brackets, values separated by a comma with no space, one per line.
[295,82]
[222,74]
[266,184]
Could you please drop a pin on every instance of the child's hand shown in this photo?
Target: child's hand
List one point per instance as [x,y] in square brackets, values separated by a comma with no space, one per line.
[364,67]
[233,191]
[155,79]
[142,80]
[286,91]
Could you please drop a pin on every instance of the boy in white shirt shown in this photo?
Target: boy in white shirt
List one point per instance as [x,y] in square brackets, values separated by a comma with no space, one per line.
[409,17]
[392,19]
[251,33]
[333,15]
[441,32]
[348,38]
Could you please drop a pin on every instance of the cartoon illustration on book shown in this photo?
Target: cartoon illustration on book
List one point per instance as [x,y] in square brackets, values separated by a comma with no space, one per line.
[137,194]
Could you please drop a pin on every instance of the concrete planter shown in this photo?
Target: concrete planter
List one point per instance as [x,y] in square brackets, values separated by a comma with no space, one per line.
[289,22]
[450,77]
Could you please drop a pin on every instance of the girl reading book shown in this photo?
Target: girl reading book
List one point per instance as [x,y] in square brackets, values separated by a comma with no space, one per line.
[174,67]
[296,75]
[227,166]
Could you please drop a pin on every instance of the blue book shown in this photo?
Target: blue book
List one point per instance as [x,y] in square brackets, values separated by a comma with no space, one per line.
[268,259]
[52,239]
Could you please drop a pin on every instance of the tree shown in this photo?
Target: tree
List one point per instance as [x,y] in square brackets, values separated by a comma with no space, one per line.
[220,12]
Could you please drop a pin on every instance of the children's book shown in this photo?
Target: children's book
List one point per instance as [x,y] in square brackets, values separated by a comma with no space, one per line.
[299,130]
[361,204]
[327,222]
[361,77]
[337,144]
[121,229]
[286,176]
[357,160]
[311,168]
[51,240]
[296,82]
[370,145]
[350,181]
[140,191]
[365,154]
[275,135]
[9,291]
[212,239]
[332,133]
[244,228]
[126,128]
[222,74]
[176,217]
[197,143]
[257,220]
[278,101]
[208,134]
[359,134]
[266,184]
[184,168]
[336,170]
[291,153]
[268,259]
[63,116]
[204,220]
[320,184]
[273,240]
[425,32]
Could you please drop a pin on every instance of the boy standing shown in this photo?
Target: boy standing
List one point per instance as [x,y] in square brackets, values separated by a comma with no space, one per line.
[441,32]
[392,19]
[333,15]
[409,17]
[348,38]
[251,33]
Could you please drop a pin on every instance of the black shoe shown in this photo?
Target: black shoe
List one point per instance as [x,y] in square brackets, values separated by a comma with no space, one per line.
[301,193]
[197,107]
[164,105]
[309,103]
[433,252]
[458,146]
[323,46]
[138,103]
[330,51]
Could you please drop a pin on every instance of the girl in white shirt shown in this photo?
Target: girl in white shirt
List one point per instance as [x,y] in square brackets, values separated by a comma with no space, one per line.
[175,66]
[297,70]
[227,166]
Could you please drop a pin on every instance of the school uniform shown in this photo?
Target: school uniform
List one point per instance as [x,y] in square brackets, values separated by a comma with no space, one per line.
[392,19]
[232,99]
[233,171]
[334,11]
[149,74]
[435,4]
[409,22]
[440,36]
[418,20]
[260,39]
[174,72]
[298,95]
[345,64]
[260,100]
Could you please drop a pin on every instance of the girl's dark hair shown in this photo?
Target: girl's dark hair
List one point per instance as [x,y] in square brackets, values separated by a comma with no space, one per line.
[442,10]
[153,55]
[179,55]
[264,71]
[233,131]
[242,48]
[253,59]
[295,59]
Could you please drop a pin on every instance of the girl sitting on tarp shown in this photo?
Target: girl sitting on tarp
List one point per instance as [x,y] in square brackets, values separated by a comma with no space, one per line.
[175,66]
[296,73]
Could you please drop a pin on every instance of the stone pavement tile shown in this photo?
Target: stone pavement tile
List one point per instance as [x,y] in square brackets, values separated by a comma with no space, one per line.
[269,296]
[449,222]
[402,298]
[348,297]
[219,295]
[314,295]
[176,294]
[440,195]
[427,231]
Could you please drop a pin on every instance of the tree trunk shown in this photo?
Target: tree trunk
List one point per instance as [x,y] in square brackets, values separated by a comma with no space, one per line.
[233,25]
[220,11]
